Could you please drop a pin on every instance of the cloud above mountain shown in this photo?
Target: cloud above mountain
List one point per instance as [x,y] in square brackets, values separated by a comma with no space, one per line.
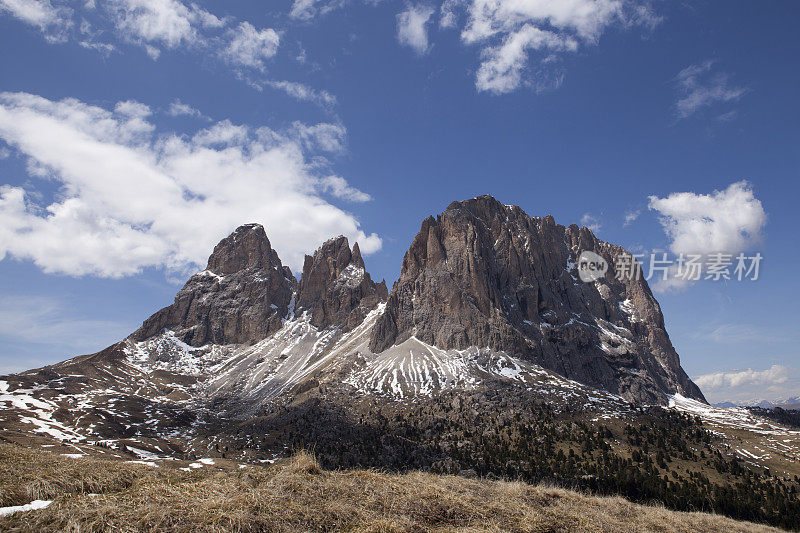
[522,42]
[729,221]
[130,197]
[157,26]
[774,374]
[773,383]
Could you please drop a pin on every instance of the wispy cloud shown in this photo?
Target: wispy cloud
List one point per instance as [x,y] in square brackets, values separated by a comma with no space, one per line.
[53,21]
[303,92]
[591,222]
[339,188]
[411,27]
[699,86]
[44,320]
[522,42]
[179,109]
[308,9]
[776,374]
[249,47]
[631,216]
[161,23]
[739,333]
[154,25]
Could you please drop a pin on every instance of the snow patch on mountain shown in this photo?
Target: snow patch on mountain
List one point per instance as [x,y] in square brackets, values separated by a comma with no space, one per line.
[768,438]
[414,368]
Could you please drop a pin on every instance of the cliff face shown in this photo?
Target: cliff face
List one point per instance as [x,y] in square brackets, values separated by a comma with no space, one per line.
[488,275]
[336,288]
[481,274]
[242,297]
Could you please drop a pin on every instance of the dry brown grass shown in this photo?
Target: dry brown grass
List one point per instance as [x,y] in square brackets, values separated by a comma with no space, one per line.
[301,496]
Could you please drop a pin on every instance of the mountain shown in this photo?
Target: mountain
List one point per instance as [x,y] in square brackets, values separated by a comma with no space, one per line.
[487,295]
[336,288]
[488,275]
[489,356]
[241,297]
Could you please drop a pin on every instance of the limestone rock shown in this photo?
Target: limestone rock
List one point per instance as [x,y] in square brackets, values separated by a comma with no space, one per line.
[336,288]
[488,275]
[241,297]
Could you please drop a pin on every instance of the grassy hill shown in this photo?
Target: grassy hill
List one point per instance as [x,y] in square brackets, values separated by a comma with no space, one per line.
[91,494]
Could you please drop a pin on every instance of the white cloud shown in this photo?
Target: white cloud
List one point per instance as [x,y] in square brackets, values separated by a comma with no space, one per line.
[325,137]
[304,93]
[179,109]
[161,22]
[308,9]
[591,222]
[503,65]
[155,25]
[631,216]
[728,221]
[509,30]
[411,30]
[339,188]
[249,47]
[448,13]
[104,49]
[52,21]
[131,197]
[521,41]
[776,374]
[699,87]
[776,384]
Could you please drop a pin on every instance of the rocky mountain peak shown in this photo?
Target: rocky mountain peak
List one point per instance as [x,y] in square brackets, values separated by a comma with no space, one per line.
[484,274]
[242,297]
[336,288]
[357,259]
[246,248]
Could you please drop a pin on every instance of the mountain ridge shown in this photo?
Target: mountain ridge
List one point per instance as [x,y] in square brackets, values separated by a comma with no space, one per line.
[486,274]
[490,356]
[480,276]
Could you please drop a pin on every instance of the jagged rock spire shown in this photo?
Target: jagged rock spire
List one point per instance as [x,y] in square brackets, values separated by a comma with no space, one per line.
[241,297]
[335,287]
[246,248]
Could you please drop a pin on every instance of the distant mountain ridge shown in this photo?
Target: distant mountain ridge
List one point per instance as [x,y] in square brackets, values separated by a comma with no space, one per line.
[784,403]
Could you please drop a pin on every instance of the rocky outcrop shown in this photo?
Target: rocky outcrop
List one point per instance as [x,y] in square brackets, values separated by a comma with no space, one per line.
[336,288]
[480,274]
[241,297]
[488,275]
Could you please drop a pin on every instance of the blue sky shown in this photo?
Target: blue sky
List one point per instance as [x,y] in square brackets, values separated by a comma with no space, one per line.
[136,133]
